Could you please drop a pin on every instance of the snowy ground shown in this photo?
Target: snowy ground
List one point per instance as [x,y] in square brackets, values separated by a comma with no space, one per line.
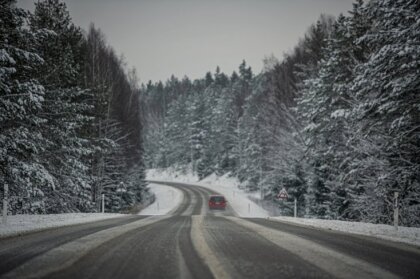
[404,234]
[244,207]
[18,224]
[167,199]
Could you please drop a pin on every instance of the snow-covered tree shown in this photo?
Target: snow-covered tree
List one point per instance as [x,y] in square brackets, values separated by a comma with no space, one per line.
[21,101]
[65,110]
[386,136]
[70,120]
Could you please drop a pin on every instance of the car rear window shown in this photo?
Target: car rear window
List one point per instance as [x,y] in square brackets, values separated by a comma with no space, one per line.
[217,199]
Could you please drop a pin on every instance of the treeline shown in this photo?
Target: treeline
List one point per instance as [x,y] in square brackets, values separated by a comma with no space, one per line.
[70,126]
[336,122]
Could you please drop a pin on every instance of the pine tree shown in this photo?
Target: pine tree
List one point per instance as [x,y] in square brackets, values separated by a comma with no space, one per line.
[386,134]
[178,133]
[225,122]
[21,101]
[66,110]
[325,106]
[60,44]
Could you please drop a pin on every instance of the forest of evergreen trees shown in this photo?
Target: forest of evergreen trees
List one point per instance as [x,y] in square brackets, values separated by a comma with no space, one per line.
[336,122]
[70,126]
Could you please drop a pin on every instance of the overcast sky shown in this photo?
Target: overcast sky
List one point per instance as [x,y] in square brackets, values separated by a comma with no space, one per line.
[190,37]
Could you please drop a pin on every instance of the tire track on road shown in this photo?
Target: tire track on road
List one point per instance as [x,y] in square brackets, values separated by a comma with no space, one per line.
[161,250]
[246,254]
[338,264]
[65,255]
[399,258]
[58,248]
[15,251]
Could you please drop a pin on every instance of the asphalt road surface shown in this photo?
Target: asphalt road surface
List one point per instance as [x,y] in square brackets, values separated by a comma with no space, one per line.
[195,242]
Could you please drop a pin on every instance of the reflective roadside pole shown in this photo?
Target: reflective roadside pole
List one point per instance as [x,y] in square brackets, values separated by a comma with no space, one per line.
[121,189]
[5,202]
[103,203]
[396,210]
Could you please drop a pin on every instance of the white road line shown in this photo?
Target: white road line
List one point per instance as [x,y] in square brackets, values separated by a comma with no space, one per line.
[203,249]
[204,206]
[189,210]
[337,264]
[67,254]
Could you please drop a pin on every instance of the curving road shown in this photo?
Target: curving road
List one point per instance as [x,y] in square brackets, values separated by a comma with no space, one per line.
[195,242]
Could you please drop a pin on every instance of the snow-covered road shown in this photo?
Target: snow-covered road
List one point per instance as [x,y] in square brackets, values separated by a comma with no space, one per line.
[194,242]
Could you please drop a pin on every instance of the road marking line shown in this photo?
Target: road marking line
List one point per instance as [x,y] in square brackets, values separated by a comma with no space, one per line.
[204,205]
[183,266]
[189,210]
[337,264]
[203,249]
[67,254]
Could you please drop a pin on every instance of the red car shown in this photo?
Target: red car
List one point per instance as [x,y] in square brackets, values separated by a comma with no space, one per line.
[217,202]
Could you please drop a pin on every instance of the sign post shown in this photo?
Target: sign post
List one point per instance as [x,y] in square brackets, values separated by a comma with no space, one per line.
[5,202]
[396,210]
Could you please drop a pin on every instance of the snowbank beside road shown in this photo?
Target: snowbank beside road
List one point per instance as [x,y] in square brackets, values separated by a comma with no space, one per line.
[19,224]
[404,234]
[227,186]
[167,199]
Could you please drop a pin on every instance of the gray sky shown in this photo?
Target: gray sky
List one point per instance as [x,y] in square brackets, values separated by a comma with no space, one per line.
[190,37]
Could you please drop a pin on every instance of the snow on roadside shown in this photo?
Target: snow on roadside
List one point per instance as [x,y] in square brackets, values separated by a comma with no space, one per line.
[167,199]
[19,224]
[237,198]
[227,186]
[404,234]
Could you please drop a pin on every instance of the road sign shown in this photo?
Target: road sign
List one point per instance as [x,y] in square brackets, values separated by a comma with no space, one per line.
[282,194]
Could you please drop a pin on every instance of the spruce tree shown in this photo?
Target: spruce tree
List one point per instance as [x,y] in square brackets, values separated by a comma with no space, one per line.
[21,103]
[386,133]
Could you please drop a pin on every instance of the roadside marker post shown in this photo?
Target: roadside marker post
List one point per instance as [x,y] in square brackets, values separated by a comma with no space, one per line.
[396,211]
[295,209]
[103,203]
[5,202]
[121,189]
